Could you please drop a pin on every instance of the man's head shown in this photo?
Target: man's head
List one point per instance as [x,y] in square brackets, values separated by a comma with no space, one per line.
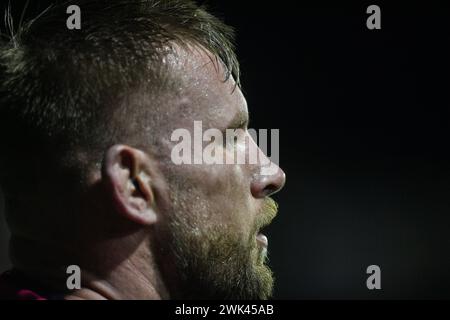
[88,116]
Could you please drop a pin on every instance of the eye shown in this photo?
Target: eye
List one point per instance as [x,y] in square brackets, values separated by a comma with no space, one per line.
[231,138]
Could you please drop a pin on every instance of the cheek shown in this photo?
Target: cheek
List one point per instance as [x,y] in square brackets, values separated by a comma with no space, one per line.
[228,193]
[224,191]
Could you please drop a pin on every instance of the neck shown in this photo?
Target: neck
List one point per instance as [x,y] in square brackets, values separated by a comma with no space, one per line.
[126,282]
[107,273]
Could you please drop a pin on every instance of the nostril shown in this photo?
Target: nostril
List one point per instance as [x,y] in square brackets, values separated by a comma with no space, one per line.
[270,189]
[263,186]
[276,183]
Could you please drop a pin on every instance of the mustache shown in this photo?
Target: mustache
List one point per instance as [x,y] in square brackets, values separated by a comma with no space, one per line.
[268,212]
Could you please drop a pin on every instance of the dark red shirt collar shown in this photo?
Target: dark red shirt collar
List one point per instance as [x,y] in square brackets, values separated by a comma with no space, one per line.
[16,286]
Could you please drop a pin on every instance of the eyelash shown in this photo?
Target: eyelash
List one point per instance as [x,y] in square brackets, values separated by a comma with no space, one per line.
[235,138]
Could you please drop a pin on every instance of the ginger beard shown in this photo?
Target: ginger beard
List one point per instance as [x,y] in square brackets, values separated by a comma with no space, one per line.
[214,261]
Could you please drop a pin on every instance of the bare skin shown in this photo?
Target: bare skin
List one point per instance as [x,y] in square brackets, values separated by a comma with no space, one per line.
[125,214]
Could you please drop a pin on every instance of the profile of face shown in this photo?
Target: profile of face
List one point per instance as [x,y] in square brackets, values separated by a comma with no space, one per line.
[88,118]
[207,218]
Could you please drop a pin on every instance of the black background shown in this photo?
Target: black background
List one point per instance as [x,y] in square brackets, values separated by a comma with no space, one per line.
[364,127]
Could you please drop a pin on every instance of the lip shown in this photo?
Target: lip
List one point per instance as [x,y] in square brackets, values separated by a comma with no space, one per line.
[262,240]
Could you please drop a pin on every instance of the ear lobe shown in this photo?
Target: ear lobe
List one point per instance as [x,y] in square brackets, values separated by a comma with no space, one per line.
[126,174]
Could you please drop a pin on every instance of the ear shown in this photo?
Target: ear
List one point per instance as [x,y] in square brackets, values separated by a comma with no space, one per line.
[127,175]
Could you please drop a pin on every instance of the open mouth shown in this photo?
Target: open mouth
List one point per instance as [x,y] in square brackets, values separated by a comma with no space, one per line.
[262,245]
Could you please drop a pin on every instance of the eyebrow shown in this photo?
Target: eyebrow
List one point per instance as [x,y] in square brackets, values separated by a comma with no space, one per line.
[240,120]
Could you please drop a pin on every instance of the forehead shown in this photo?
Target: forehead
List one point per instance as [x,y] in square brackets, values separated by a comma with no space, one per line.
[203,92]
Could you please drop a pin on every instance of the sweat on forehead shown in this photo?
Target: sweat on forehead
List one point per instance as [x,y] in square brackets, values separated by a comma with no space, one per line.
[196,65]
[201,88]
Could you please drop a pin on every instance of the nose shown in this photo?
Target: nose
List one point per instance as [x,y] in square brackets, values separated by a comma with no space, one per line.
[267,185]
